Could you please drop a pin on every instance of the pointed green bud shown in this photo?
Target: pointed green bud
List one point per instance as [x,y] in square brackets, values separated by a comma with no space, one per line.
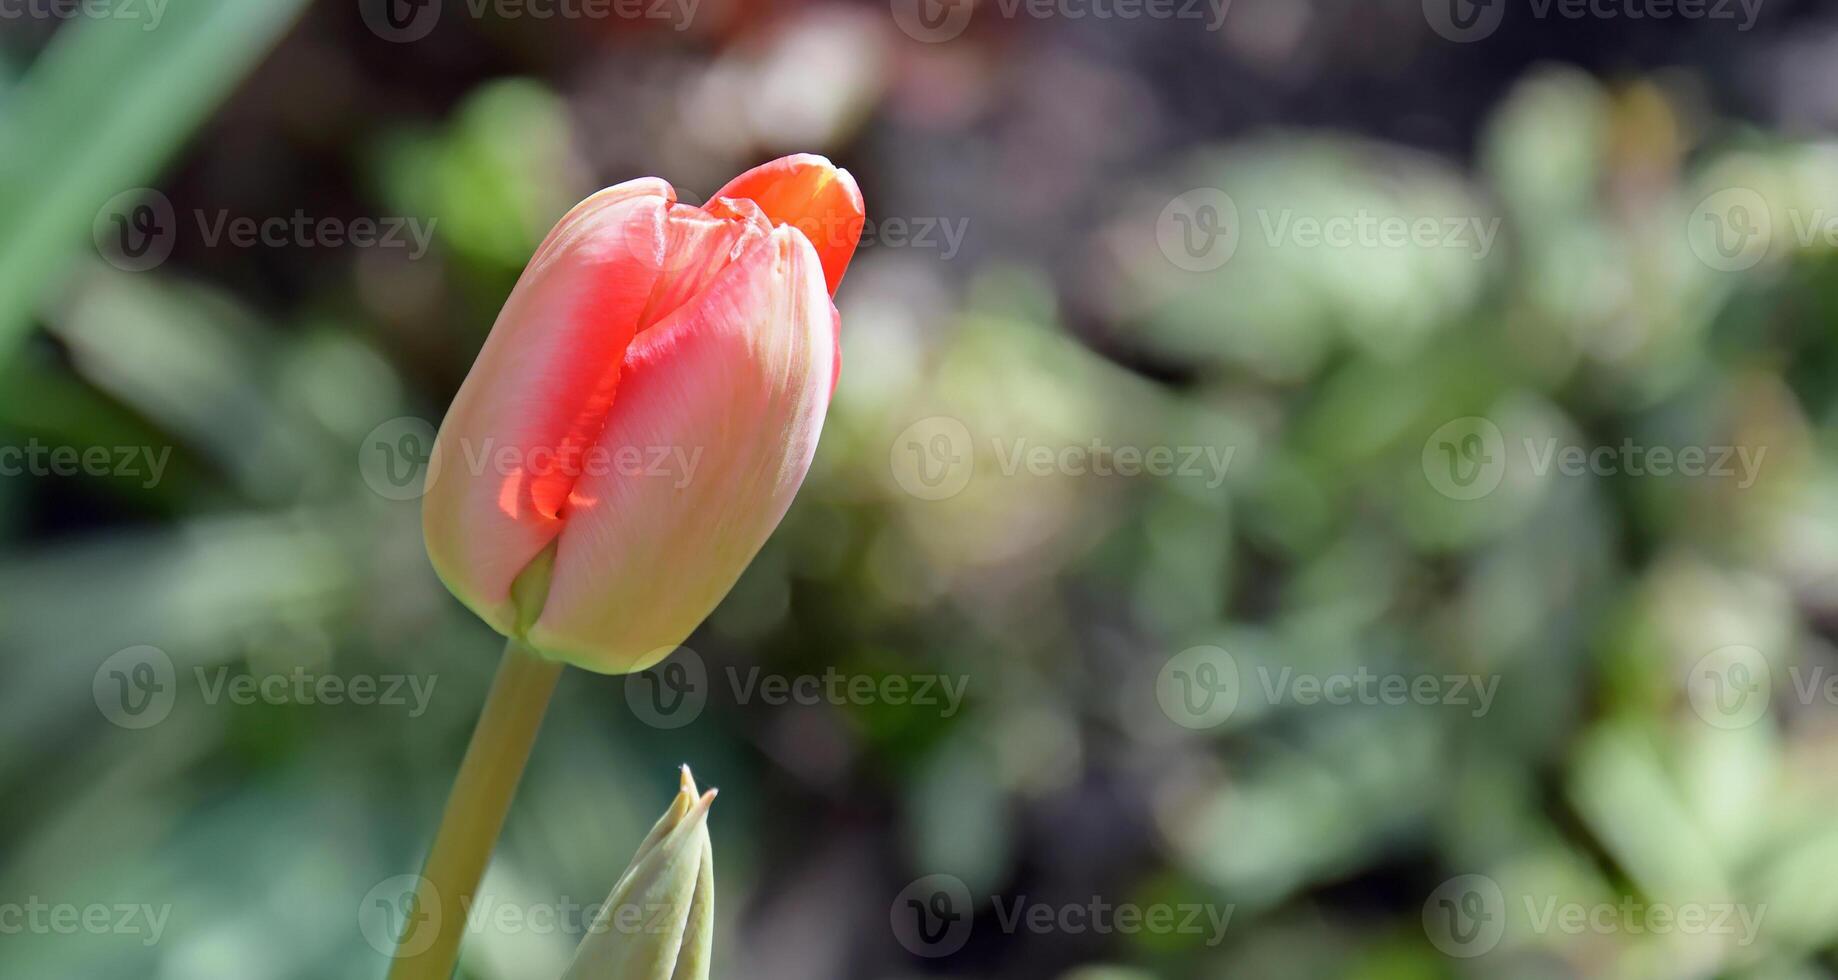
[659,922]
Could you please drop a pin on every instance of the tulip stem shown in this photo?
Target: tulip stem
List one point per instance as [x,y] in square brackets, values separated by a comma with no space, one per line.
[475,812]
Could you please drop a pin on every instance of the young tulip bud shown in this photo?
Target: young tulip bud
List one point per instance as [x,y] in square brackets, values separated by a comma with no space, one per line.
[658,924]
[643,412]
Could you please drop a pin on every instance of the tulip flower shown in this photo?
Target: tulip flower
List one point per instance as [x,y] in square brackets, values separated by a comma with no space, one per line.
[659,922]
[636,425]
[643,411]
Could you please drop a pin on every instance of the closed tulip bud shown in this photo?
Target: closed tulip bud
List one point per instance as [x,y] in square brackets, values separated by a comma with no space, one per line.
[643,411]
[658,924]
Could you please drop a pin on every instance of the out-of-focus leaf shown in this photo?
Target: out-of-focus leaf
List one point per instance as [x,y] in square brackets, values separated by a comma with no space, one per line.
[99,113]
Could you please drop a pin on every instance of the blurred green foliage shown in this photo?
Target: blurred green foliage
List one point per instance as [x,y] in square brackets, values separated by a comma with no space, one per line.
[1324,547]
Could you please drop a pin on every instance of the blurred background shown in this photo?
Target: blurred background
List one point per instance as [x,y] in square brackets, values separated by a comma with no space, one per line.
[1317,487]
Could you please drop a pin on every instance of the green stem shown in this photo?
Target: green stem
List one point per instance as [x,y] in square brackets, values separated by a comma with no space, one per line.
[475,811]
